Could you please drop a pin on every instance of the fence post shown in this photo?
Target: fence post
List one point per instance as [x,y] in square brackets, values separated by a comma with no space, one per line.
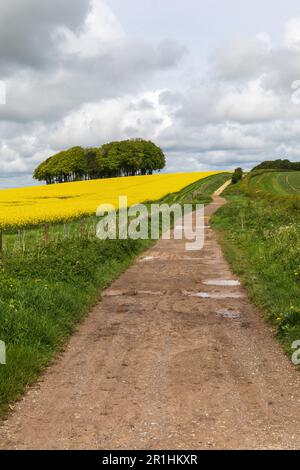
[23,240]
[1,241]
[20,239]
[82,229]
[65,231]
[46,236]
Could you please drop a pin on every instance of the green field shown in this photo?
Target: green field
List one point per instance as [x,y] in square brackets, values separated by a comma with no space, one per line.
[199,192]
[282,183]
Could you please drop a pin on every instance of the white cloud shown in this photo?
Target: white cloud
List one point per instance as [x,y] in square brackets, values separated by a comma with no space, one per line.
[125,117]
[242,58]
[91,83]
[292,34]
[250,103]
[100,30]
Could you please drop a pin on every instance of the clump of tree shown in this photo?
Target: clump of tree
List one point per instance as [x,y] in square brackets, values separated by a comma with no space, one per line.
[237,175]
[124,158]
[278,165]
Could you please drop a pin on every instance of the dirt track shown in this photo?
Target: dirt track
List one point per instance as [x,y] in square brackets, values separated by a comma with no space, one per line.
[155,367]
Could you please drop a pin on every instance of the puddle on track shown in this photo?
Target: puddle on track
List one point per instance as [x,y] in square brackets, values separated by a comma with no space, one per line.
[130,292]
[214,295]
[230,314]
[222,282]
[169,258]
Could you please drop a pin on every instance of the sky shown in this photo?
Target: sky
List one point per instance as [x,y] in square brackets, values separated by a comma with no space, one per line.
[216,84]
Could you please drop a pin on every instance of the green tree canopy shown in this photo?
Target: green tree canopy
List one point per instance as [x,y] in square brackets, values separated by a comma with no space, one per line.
[123,158]
[237,175]
[278,165]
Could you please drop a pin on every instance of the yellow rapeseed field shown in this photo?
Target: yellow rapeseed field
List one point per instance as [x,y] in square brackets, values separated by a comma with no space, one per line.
[54,203]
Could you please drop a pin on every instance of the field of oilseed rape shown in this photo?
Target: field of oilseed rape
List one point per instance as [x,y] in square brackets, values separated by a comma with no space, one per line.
[54,203]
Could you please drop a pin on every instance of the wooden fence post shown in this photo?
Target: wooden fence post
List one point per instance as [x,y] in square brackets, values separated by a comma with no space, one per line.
[82,229]
[23,240]
[1,241]
[46,236]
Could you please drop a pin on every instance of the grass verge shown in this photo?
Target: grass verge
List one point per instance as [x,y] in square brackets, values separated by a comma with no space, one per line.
[42,299]
[261,240]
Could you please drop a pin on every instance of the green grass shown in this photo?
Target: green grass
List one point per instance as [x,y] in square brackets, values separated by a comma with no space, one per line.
[277,182]
[261,240]
[44,293]
[42,299]
[199,192]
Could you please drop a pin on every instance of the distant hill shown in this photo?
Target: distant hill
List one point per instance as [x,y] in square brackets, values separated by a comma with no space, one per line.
[278,165]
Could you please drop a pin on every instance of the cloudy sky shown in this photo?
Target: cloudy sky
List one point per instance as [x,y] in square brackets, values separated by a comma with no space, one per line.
[210,81]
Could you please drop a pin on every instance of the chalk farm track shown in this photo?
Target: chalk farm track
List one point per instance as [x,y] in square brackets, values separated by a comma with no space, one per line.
[173,357]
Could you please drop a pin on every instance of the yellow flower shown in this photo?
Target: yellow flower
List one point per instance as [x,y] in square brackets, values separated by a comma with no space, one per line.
[54,203]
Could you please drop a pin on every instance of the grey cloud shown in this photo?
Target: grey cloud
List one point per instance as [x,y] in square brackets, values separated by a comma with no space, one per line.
[237,113]
[38,95]
[26,29]
[142,105]
[239,59]
[215,161]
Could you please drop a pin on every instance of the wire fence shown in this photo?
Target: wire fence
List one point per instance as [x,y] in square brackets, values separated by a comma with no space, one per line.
[38,238]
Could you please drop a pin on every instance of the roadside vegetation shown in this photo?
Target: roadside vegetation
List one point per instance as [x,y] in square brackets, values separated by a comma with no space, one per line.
[45,293]
[199,192]
[237,175]
[260,235]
